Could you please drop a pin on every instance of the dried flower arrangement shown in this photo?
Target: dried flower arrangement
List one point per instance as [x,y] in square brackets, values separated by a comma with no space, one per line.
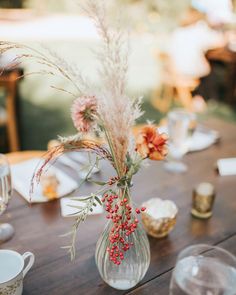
[109,111]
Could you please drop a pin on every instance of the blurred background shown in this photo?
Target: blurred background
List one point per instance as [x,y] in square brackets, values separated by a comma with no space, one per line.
[183,53]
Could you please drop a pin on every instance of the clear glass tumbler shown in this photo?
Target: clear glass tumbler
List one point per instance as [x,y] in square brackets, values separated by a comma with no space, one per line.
[204,270]
[6,230]
[179,123]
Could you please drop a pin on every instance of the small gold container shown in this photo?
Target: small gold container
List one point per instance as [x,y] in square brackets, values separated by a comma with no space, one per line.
[203,200]
[159,227]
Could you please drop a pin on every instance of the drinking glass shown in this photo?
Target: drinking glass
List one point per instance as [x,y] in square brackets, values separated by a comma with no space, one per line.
[6,230]
[204,270]
[179,131]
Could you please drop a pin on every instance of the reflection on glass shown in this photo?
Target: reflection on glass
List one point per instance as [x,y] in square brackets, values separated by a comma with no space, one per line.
[6,230]
[203,270]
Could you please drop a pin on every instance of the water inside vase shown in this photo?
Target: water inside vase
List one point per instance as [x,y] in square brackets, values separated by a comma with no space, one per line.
[134,266]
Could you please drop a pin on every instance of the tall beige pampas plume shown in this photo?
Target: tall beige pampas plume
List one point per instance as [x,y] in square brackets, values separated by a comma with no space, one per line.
[117,111]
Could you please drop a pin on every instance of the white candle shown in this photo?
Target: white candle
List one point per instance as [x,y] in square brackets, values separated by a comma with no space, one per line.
[158,208]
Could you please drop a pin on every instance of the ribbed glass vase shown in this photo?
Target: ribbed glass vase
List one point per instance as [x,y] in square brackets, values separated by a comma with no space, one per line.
[134,265]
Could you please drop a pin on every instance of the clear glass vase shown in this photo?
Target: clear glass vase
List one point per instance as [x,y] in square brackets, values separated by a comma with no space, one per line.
[134,264]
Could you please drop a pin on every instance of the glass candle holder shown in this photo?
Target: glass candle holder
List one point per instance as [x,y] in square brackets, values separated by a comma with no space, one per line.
[159,218]
[50,184]
[203,200]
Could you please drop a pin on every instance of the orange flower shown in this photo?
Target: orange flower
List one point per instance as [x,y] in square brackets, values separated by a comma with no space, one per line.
[151,144]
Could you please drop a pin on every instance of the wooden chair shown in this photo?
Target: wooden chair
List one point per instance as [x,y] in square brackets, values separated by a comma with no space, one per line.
[9,81]
[228,58]
[175,87]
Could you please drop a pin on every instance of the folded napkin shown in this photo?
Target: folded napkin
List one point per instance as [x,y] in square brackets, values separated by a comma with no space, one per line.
[201,139]
[227,166]
[21,178]
[68,211]
[79,162]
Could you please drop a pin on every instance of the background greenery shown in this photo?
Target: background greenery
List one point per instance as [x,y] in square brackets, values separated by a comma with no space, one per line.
[45,113]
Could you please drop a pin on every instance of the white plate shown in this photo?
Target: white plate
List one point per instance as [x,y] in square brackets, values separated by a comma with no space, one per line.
[201,139]
[21,178]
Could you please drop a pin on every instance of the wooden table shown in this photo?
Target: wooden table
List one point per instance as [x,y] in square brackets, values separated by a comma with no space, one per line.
[38,227]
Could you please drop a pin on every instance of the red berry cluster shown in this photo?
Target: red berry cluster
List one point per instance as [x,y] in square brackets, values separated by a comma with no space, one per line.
[124,224]
[113,180]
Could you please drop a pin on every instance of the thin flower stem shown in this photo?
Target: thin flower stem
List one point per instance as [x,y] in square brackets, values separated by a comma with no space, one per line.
[45,59]
[112,152]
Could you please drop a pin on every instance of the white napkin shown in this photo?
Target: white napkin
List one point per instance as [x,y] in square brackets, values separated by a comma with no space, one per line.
[227,166]
[21,179]
[201,139]
[83,159]
[67,211]
[79,163]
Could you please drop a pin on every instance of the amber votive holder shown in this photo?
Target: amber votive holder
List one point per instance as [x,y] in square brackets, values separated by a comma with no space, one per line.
[159,228]
[159,219]
[203,200]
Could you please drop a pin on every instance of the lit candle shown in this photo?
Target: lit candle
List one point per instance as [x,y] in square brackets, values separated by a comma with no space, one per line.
[203,200]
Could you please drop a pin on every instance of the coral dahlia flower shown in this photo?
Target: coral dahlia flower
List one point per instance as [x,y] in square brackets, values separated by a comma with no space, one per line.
[151,144]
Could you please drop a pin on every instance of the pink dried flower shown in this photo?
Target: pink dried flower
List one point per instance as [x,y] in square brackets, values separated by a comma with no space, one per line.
[82,112]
